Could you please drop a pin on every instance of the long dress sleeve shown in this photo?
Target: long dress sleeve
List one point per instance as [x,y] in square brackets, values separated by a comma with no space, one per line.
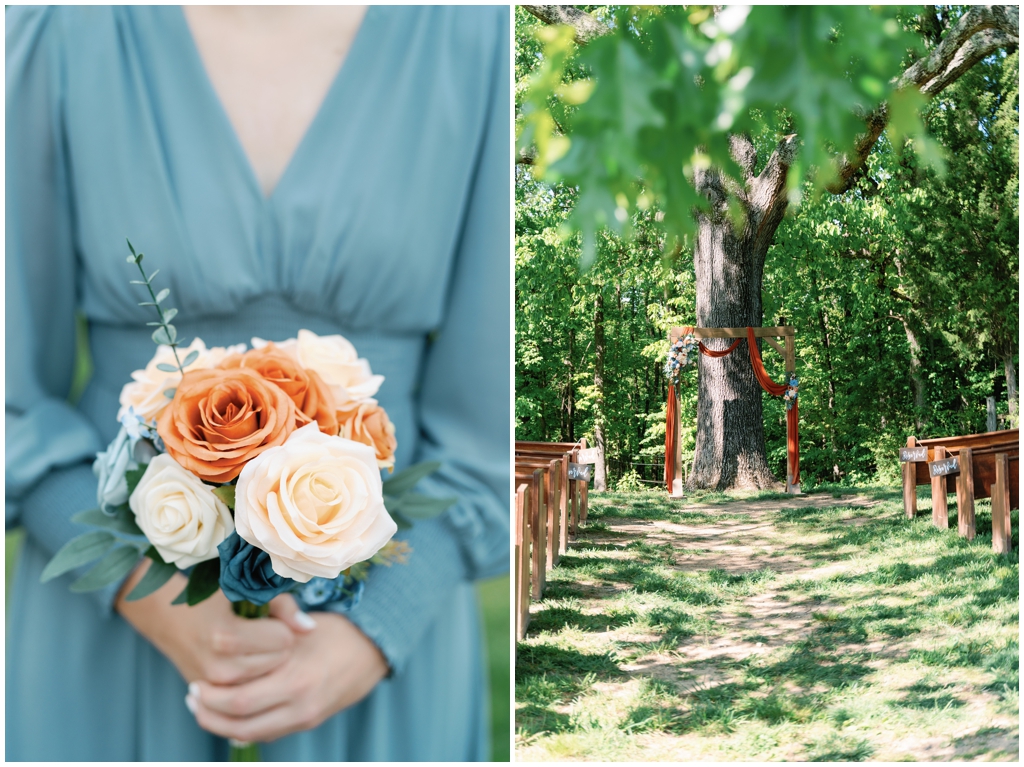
[463,402]
[49,443]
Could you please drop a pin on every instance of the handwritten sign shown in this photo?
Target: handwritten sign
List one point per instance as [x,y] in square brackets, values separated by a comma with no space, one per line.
[590,455]
[579,471]
[908,454]
[944,466]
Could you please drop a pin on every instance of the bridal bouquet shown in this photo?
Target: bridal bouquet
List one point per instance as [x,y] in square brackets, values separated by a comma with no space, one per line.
[255,471]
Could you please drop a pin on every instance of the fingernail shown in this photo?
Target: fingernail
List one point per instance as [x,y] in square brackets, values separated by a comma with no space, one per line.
[193,690]
[305,620]
[190,704]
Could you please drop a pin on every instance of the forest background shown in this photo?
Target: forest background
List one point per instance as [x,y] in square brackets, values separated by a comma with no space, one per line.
[904,291]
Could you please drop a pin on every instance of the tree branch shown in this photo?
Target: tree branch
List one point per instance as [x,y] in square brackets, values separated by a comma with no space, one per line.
[585,25]
[980,32]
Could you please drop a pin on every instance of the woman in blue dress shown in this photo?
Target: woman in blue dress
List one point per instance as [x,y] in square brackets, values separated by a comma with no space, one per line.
[389,225]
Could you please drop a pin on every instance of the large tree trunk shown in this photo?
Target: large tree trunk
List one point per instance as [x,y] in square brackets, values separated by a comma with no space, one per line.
[600,473]
[1011,387]
[916,379]
[729,266]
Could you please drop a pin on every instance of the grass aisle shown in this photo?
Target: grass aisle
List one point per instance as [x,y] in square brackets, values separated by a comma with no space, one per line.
[825,627]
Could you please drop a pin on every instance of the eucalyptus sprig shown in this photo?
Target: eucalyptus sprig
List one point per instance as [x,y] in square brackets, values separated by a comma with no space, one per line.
[165,332]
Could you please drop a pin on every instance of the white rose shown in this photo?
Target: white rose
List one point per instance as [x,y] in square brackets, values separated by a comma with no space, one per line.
[146,391]
[315,504]
[179,514]
[335,359]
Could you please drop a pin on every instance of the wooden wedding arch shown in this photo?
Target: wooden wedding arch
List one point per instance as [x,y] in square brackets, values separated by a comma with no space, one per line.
[673,455]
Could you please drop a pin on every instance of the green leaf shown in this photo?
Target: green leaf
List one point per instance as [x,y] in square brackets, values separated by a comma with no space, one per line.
[192,356]
[162,294]
[154,274]
[416,506]
[157,575]
[170,314]
[169,393]
[161,335]
[400,521]
[133,476]
[167,368]
[204,581]
[122,521]
[114,566]
[404,481]
[182,598]
[227,494]
[76,552]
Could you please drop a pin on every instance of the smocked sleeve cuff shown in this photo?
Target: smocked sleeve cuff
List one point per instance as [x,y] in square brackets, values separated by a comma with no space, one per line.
[401,600]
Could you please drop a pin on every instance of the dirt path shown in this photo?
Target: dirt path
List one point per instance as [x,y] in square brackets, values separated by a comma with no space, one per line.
[759,562]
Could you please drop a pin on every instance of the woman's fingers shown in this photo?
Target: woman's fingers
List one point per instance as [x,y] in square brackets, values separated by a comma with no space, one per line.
[239,669]
[245,636]
[284,608]
[267,725]
[244,700]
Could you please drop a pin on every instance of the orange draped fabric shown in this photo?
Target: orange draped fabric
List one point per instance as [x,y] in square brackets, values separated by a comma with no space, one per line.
[712,353]
[671,437]
[777,390]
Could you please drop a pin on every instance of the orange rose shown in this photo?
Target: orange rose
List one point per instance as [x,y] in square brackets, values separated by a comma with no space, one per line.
[366,422]
[313,400]
[220,419]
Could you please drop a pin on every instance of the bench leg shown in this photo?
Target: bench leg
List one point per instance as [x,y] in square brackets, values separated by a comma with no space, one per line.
[940,509]
[1001,506]
[965,495]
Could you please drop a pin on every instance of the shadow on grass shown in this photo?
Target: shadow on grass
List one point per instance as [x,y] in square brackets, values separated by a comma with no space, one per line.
[555,618]
[546,659]
[927,697]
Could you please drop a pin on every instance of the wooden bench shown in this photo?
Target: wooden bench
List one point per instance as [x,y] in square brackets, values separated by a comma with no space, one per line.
[524,534]
[973,466]
[577,488]
[552,490]
[537,528]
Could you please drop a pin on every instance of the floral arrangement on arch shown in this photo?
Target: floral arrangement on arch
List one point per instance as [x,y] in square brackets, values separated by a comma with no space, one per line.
[791,392]
[256,470]
[681,354]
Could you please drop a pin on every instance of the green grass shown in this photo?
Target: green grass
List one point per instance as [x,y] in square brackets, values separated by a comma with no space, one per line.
[494,605]
[835,632]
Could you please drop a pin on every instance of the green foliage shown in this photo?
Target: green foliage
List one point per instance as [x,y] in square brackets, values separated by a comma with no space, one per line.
[121,521]
[157,575]
[635,114]
[227,494]
[403,505]
[904,251]
[203,582]
[165,333]
[114,566]
[76,552]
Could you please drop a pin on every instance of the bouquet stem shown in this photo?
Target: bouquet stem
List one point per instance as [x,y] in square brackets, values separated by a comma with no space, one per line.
[239,751]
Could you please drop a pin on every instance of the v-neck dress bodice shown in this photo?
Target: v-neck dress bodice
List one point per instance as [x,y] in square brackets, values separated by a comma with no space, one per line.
[389,226]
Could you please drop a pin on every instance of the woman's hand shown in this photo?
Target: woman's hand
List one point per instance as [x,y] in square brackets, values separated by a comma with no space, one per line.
[331,668]
[208,641]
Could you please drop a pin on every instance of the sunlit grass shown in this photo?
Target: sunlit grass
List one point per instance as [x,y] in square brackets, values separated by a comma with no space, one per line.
[886,640]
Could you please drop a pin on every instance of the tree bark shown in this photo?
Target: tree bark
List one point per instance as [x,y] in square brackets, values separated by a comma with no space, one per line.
[600,472]
[729,267]
[571,386]
[1011,387]
[916,379]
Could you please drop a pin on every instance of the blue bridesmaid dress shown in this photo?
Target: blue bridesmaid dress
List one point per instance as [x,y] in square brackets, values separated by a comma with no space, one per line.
[389,226]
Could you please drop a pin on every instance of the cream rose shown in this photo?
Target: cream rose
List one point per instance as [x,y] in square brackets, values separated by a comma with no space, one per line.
[335,360]
[146,391]
[180,515]
[315,505]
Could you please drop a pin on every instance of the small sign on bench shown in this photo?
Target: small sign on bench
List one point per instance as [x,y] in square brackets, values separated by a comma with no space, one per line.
[944,466]
[913,454]
[589,455]
[579,471]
